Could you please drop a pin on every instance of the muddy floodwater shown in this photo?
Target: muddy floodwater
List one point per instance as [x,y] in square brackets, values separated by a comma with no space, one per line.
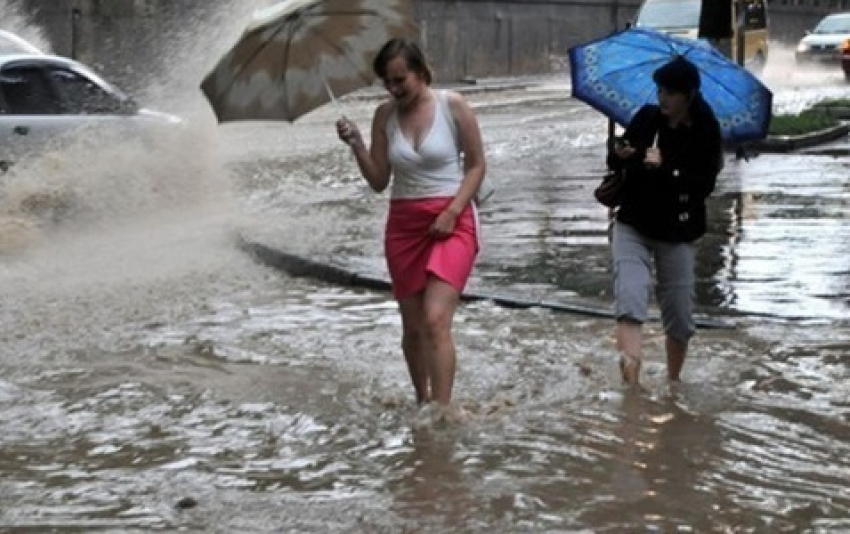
[154,377]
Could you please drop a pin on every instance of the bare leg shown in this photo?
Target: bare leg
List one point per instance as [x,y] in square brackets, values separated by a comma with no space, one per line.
[629,344]
[441,302]
[676,353]
[412,344]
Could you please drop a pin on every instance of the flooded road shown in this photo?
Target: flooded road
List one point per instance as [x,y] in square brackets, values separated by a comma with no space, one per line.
[153,377]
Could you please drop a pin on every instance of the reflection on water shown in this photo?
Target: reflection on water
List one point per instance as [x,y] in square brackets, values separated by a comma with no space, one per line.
[663,458]
[431,492]
[785,253]
[147,362]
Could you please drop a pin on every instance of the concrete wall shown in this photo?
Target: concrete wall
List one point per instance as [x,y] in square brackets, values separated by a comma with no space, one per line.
[130,39]
[491,38]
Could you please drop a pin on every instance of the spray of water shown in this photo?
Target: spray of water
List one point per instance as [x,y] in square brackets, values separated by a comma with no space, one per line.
[14,20]
[797,87]
[196,40]
[100,200]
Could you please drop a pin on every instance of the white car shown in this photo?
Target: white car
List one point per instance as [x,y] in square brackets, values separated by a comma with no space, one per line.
[44,97]
[823,44]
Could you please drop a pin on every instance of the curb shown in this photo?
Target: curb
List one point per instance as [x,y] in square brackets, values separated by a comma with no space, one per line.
[789,143]
[838,112]
[299,267]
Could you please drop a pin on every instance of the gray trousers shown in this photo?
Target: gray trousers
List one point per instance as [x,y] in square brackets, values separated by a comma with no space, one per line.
[674,271]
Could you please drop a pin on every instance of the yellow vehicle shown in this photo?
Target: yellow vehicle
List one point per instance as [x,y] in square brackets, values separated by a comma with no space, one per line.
[681,18]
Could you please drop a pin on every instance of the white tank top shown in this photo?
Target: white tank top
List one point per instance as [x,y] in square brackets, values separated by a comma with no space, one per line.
[435,170]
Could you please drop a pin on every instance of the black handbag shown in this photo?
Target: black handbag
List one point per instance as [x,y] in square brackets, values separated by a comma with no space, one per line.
[610,191]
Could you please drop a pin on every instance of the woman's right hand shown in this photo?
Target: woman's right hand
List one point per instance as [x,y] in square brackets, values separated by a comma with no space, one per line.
[623,149]
[348,132]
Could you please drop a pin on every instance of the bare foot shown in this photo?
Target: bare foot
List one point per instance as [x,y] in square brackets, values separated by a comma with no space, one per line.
[630,369]
[435,415]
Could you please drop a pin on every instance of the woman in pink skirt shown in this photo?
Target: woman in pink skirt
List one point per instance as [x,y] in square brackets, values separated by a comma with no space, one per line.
[431,239]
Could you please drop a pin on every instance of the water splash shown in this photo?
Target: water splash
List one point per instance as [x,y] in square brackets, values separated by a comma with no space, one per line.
[15,21]
[100,178]
[196,40]
[797,87]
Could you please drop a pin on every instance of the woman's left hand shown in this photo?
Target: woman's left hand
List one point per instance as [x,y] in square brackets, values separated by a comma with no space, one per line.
[653,158]
[443,225]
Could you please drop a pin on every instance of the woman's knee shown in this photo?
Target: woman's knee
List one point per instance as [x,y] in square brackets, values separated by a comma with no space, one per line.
[677,310]
[680,333]
[679,324]
[437,317]
[439,306]
[437,320]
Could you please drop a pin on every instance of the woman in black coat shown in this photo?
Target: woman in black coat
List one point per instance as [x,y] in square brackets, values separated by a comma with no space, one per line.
[671,153]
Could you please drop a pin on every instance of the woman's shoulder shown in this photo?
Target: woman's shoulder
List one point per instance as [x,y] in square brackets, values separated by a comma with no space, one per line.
[703,113]
[386,107]
[454,99]
[648,111]
[645,119]
[384,111]
[450,95]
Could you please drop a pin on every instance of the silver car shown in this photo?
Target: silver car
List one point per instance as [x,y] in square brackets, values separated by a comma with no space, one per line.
[823,44]
[44,98]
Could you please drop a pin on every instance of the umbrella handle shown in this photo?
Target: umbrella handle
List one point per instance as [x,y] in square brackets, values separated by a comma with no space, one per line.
[331,94]
[350,139]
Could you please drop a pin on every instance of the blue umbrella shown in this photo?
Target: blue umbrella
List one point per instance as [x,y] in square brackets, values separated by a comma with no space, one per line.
[614,75]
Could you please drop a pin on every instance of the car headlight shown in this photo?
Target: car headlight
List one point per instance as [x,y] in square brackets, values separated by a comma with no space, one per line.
[802,48]
[845,47]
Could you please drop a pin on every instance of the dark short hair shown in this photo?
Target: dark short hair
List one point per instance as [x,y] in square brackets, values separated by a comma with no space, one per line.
[678,76]
[410,51]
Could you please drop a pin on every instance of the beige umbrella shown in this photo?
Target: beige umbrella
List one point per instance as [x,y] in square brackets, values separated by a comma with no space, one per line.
[296,55]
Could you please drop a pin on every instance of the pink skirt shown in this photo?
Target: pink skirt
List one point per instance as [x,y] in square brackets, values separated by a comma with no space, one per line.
[412,255]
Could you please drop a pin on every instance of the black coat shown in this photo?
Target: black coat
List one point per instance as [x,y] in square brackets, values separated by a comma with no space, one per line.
[668,203]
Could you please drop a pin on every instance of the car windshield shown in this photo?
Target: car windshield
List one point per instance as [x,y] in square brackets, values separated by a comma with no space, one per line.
[834,25]
[683,14]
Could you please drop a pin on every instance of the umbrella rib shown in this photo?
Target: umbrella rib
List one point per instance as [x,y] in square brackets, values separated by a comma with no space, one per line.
[609,73]
[301,43]
[632,66]
[648,61]
[288,40]
[333,44]
[244,65]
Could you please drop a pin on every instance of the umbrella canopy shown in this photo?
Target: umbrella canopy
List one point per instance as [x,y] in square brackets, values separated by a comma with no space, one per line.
[614,75]
[296,55]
